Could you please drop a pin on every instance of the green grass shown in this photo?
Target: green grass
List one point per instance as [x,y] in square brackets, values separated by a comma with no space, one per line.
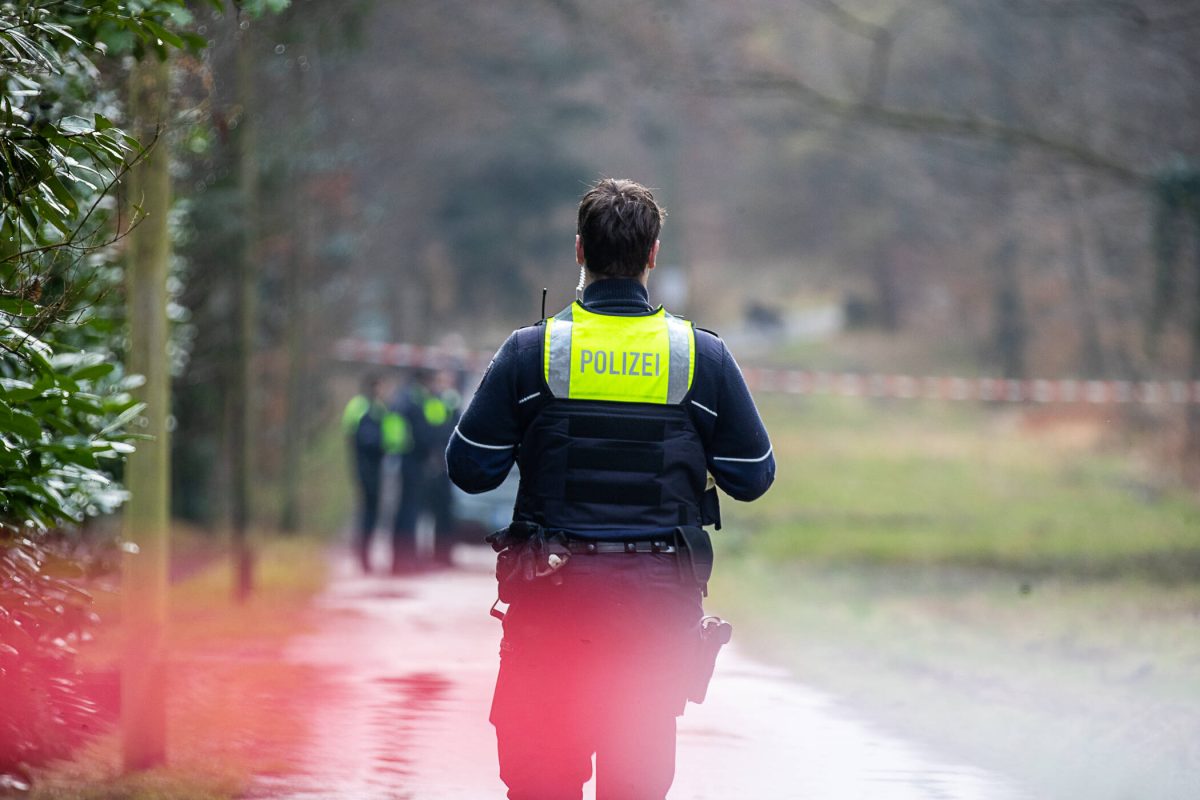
[1027,601]
[327,492]
[328,496]
[946,484]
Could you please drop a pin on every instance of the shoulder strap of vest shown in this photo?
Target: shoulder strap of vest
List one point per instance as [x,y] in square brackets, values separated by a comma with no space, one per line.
[533,338]
[682,333]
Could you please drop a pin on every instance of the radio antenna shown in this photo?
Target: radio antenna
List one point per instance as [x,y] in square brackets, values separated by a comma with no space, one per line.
[543,302]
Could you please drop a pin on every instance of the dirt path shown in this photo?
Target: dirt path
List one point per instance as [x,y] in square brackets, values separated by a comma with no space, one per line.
[411,664]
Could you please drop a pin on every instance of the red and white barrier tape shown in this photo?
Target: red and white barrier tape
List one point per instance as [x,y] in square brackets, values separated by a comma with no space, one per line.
[409,355]
[987,389]
[838,384]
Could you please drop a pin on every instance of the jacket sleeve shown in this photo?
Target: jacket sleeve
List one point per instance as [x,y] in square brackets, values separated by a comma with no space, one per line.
[484,443]
[740,457]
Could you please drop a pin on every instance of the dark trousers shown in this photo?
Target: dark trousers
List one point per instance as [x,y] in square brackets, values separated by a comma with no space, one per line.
[404,527]
[422,488]
[440,503]
[595,665]
[369,468]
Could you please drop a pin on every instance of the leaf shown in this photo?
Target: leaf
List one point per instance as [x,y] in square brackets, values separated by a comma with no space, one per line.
[58,567]
[124,418]
[62,195]
[93,372]
[51,212]
[80,456]
[165,36]
[74,125]
[18,307]
[85,403]
[15,337]
[104,446]
[16,391]
[193,41]
[22,424]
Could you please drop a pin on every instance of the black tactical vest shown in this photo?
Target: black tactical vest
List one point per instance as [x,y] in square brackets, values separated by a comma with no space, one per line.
[595,467]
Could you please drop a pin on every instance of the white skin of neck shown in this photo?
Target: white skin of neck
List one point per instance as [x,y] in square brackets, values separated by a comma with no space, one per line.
[589,277]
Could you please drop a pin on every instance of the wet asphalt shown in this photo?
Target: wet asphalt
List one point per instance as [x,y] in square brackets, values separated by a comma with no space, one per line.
[407,666]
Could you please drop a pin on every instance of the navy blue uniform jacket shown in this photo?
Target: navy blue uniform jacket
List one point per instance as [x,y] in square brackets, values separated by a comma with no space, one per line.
[484,445]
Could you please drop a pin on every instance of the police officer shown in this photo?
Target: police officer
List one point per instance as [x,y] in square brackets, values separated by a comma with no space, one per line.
[430,409]
[438,499]
[371,432]
[620,416]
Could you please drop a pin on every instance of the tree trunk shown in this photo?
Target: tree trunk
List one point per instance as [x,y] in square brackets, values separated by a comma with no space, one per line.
[297,281]
[1092,357]
[887,293]
[296,350]
[147,474]
[1192,444]
[241,406]
[1009,310]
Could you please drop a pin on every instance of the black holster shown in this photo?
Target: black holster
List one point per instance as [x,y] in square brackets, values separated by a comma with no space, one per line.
[715,633]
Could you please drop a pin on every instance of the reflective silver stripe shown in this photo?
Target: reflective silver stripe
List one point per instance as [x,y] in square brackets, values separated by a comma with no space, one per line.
[678,331]
[559,377]
[484,446]
[763,457]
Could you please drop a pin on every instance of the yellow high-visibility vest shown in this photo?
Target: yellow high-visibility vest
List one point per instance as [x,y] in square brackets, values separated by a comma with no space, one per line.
[356,409]
[642,359]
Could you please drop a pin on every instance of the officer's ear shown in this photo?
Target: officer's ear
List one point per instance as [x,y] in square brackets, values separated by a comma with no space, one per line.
[653,255]
[578,250]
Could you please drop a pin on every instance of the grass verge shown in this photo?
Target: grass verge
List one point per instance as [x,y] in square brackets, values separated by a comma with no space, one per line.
[236,708]
[1024,598]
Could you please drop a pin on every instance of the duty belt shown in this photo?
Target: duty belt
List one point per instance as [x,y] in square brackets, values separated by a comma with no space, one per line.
[593,547]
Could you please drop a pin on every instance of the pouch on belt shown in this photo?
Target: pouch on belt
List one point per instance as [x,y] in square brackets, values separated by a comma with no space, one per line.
[695,555]
[525,554]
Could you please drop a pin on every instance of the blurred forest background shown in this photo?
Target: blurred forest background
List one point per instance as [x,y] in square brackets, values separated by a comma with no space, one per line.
[945,187]
[972,187]
[924,187]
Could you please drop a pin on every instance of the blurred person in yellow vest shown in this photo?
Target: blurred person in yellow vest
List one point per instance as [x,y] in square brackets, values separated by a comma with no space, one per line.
[372,432]
[430,408]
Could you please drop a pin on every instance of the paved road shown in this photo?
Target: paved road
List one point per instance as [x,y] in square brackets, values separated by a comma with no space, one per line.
[410,663]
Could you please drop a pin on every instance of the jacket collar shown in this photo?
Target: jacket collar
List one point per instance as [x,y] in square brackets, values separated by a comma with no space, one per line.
[617,296]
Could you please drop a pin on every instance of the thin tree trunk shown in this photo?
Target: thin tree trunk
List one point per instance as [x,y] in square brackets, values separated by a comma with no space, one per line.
[1192,443]
[1010,329]
[887,294]
[696,227]
[1093,360]
[299,274]
[147,474]
[241,405]
[295,347]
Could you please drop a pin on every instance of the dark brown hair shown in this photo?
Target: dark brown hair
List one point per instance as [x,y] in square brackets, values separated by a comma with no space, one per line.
[619,222]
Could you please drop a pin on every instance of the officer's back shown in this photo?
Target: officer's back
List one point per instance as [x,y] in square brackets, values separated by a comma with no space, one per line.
[617,413]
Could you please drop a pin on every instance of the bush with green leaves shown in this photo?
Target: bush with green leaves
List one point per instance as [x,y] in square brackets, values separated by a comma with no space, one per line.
[65,403]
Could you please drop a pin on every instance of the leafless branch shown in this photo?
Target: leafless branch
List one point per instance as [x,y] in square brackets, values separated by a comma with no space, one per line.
[933,122]
[880,37]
